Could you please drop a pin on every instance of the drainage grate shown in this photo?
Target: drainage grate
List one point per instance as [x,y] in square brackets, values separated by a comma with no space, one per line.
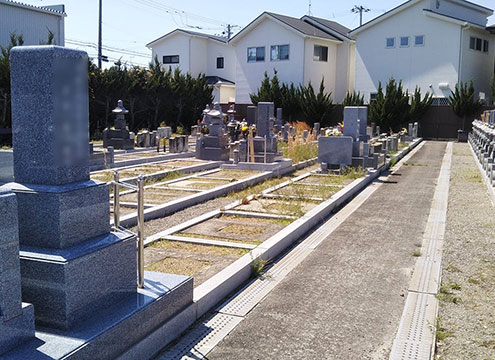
[203,337]
[415,338]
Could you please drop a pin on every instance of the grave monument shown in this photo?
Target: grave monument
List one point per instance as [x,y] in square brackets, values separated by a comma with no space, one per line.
[79,274]
[119,137]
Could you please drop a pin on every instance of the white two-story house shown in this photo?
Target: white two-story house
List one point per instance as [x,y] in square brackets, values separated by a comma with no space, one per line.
[301,50]
[197,53]
[32,22]
[433,44]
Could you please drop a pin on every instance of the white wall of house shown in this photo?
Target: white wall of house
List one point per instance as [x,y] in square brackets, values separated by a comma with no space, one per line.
[315,70]
[478,65]
[454,8]
[250,74]
[216,50]
[31,23]
[176,44]
[434,63]
[198,56]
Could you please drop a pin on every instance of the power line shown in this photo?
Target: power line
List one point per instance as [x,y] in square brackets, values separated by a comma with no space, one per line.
[108,48]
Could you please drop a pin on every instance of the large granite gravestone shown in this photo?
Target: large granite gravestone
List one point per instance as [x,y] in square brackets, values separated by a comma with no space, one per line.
[252,115]
[70,262]
[16,318]
[79,275]
[264,134]
[351,126]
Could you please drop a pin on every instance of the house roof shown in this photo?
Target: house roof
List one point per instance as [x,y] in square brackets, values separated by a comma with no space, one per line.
[455,19]
[58,10]
[332,25]
[410,3]
[298,25]
[212,80]
[191,33]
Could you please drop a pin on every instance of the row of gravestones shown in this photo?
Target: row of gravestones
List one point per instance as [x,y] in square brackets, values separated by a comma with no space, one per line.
[216,146]
[178,144]
[482,140]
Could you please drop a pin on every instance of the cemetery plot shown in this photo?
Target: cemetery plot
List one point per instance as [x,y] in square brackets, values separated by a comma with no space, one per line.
[243,225]
[146,169]
[235,229]
[179,186]
[199,261]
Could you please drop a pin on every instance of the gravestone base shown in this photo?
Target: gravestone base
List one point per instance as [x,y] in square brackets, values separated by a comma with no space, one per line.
[66,286]
[119,144]
[17,330]
[113,330]
[58,216]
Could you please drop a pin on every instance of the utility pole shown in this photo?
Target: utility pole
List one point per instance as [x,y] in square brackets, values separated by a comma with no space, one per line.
[99,36]
[360,9]
[229,31]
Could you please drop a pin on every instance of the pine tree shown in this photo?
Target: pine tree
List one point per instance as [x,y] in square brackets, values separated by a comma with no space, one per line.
[463,102]
[419,106]
[353,99]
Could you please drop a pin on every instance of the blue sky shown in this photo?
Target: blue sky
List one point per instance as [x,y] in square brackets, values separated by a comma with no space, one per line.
[128,25]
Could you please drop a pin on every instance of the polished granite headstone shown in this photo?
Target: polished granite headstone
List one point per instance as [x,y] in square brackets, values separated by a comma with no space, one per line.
[71,264]
[16,318]
[264,134]
[82,283]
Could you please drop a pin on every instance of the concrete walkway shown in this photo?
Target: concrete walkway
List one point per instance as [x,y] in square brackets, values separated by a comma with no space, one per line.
[345,300]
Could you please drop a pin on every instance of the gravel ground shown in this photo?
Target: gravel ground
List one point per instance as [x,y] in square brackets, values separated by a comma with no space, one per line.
[346,299]
[467,303]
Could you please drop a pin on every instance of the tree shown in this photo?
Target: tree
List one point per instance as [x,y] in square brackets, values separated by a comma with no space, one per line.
[390,111]
[270,90]
[5,105]
[419,106]
[463,102]
[353,99]
[291,103]
[316,107]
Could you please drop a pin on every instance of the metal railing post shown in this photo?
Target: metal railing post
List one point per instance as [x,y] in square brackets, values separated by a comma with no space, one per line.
[140,221]
[116,200]
[264,157]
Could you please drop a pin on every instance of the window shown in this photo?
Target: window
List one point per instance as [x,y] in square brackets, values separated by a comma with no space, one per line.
[478,44]
[279,52]
[220,62]
[390,42]
[404,41]
[373,96]
[171,59]
[472,43]
[256,54]
[320,53]
[419,40]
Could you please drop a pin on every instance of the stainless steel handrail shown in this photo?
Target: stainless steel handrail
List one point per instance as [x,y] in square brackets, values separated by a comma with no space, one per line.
[140,210]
